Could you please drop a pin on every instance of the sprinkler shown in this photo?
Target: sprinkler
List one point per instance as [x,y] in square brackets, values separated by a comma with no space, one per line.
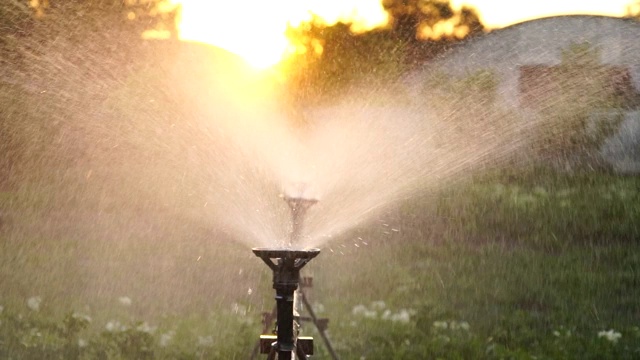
[286,277]
[298,206]
[286,265]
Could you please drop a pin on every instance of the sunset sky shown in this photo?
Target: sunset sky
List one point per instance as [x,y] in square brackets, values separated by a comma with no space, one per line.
[499,13]
[264,43]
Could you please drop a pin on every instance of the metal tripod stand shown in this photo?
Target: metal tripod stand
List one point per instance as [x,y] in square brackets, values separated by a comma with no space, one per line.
[305,343]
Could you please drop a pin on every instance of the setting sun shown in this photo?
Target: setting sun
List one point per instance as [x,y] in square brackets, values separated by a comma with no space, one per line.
[255,30]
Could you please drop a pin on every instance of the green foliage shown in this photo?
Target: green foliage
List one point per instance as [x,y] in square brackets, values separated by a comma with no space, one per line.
[546,209]
[410,18]
[468,103]
[502,270]
[35,335]
[477,89]
[583,108]
[335,59]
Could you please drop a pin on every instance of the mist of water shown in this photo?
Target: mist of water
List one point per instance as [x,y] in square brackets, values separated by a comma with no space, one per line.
[147,169]
[194,132]
[355,156]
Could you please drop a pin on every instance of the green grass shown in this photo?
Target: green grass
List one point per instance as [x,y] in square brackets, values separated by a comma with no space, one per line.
[545,209]
[521,266]
[512,298]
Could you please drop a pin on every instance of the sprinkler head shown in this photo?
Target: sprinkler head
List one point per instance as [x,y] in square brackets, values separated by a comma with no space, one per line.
[285,264]
[298,206]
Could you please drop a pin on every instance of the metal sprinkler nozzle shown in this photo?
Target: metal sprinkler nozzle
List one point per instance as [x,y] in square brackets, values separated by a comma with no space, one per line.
[299,207]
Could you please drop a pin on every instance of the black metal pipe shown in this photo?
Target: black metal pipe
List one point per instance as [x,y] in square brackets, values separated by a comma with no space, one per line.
[286,339]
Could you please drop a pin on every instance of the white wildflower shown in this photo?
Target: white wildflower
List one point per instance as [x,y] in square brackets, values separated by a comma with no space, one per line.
[402,316]
[610,335]
[440,324]
[378,305]
[124,301]
[386,314]
[205,341]
[370,314]
[145,328]
[556,333]
[113,326]
[166,338]
[359,309]
[33,303]
[464,326]
[82,343]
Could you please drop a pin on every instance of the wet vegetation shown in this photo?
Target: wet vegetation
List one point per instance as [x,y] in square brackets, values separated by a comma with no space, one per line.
[535,263]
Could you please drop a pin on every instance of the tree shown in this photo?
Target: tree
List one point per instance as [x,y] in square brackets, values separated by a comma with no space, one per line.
[333,57]
[415,20]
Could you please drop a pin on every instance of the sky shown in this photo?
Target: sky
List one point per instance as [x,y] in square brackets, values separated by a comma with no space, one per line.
[500,13]
[264,43]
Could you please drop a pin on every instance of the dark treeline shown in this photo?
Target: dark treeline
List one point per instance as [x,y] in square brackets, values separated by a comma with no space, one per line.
[411,38]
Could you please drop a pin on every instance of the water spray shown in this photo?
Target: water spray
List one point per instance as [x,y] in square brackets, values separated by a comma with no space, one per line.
[299,207]
[286,264]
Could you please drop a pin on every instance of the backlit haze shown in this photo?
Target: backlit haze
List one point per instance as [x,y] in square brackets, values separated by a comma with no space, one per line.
[255,29]
[257,33]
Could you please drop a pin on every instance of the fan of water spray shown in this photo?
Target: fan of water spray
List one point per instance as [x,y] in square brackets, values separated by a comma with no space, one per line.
[188,130]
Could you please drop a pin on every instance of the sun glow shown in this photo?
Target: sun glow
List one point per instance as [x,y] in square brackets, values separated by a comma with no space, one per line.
[256,29]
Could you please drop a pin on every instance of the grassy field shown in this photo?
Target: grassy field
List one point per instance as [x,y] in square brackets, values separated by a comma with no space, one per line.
[534,265]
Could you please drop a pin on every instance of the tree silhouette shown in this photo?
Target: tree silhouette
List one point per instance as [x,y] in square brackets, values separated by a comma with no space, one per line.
[411,17]
[344,57]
